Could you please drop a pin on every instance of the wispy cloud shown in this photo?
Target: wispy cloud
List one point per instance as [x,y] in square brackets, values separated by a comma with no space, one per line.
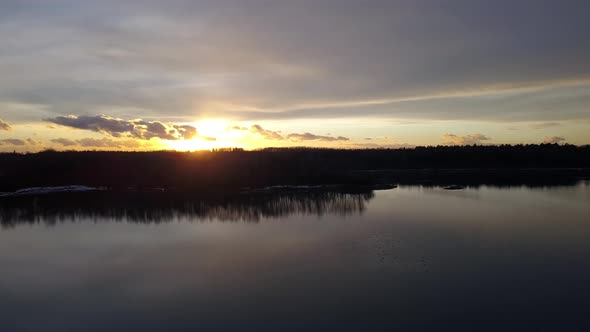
[96,143]
[295,137]
[554,140]
[452,139]
[12,141]
[64,141]
[267,134]
[32,141]
[312,137]
[107,143]
[5,125]
[382,146]
[544,125]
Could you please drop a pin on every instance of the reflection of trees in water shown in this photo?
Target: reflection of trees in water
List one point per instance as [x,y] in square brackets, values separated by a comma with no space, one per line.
[165,207]
[279,205]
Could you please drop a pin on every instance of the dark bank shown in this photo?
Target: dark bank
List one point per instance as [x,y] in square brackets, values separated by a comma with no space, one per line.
[236,169]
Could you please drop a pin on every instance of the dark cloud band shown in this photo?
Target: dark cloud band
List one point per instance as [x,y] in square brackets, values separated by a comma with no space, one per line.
[138,128]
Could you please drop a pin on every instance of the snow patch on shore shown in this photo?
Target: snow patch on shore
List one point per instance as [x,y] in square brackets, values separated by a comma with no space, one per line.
[48,190]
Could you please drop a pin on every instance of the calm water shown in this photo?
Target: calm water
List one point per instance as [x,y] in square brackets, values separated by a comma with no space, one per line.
[410,258]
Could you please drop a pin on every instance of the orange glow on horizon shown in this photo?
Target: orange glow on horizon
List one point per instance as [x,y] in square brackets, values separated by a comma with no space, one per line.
[212,134]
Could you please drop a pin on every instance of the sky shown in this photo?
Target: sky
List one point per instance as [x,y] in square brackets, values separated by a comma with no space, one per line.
[202,74]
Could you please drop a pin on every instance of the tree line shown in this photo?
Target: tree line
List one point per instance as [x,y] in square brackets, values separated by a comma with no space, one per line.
[236,168]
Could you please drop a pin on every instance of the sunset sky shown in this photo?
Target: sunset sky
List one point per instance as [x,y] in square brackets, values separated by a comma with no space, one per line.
[187,75]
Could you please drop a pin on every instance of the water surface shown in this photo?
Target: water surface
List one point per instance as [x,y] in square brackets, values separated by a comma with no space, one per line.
[410,258]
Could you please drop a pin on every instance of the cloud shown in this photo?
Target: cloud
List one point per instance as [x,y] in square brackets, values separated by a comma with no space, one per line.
[186,131]
[553,140]
[5,126]
[32,141]
[64,141]
[267,134]
[452,139]
[137,128]
[107,143]
[18,142]
[173,58]
[295,137]
[382,146]
[544,125]
[97,143]
[12,141]
[312,137]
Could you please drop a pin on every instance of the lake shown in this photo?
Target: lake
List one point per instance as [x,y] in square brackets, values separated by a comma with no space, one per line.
[409,258]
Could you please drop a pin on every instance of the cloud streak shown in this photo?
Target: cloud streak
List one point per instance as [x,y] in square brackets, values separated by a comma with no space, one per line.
[107,143]
[472,139]
[96,143]
[545,125]
[12,141]
[554,140]
[32,141]
[5,126]
[64,141]
[382,146]
[266,134]
[294,137]
[312,137]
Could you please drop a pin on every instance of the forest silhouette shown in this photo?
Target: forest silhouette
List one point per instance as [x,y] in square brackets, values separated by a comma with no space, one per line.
[235,169]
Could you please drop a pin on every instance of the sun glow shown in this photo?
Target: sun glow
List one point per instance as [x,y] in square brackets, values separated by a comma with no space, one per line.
[190,145]
[212,128]
[212,133]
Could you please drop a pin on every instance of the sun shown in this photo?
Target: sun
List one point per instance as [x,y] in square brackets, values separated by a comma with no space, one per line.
[212,128]
[212,133]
